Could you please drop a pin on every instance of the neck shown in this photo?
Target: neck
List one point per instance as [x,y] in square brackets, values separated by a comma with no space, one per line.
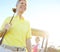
[20,15]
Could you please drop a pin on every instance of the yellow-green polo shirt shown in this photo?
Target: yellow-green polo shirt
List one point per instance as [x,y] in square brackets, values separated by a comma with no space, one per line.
[18,33]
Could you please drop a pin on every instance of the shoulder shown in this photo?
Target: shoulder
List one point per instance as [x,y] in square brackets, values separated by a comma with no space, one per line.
[27,22]
[8,18]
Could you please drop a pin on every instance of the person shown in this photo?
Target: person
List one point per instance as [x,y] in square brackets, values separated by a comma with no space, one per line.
[36,48]
[18,35]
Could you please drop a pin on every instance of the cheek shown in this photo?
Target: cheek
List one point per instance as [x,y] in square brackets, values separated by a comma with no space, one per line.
[25,8]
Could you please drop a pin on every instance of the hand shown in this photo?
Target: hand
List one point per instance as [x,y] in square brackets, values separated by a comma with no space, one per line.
[0,33]
[7,26]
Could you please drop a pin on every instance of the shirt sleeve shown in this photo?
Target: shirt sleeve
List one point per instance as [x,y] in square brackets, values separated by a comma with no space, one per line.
[5,22]
[29,35]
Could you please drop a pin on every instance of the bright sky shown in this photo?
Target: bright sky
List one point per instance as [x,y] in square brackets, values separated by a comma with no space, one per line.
[42,14]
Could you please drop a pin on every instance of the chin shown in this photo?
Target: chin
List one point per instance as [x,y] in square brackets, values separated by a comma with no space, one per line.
[22,11]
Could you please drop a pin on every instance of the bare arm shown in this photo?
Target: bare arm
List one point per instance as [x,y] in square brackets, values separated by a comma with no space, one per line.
[7,27]
[28,45]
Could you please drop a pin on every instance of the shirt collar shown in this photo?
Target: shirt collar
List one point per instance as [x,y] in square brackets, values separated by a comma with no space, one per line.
[19,17]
